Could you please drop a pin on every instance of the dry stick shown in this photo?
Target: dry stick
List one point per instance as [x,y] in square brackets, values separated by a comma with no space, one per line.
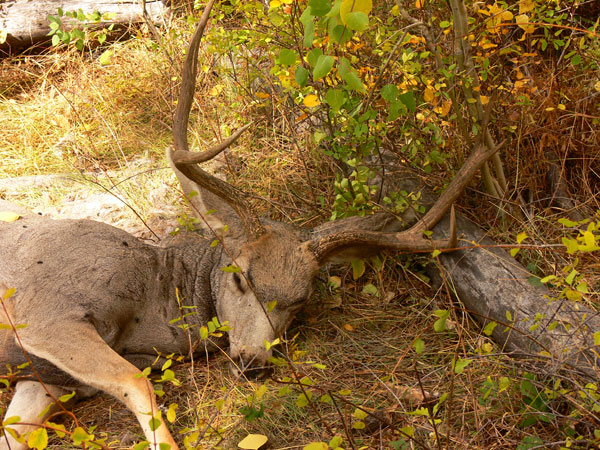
[428,406]
[465,61]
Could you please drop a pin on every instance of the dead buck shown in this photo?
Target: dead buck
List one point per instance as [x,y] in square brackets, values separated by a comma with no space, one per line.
[98,303]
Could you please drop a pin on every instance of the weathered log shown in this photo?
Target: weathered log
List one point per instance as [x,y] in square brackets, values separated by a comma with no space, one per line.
[557,333]
[24,22]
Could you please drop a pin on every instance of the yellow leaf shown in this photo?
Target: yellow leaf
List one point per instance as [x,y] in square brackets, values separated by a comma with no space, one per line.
[525,6]
[350,6]
[263,95]
[9,216]
[597,86]
[216,90]
[348,327]
[446,107]
[561,107]
[253,441]
[274,3]
[311,101]
[484,99]
[429,94]
[419,4]
[523,22]
[316,446]
[507,16]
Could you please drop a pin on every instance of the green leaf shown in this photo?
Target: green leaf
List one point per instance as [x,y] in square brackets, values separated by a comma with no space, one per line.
[102,38]
[287,57]
[323,66]
[143,445]
[38,439]
[276,19]
[231,269]
[357,21]
[370,289]
[340,34]
[353,81]
[319,7]
[65,398]
[301,76]
[154,423]
[335,98]
[105,58]
[531,441]
[408,99]
[171,414]
[325,398]
[358,268]
[460,364]
[303,399]
[203,332]
[271,306]
[335,441]
[313,56]
[440,324]
[419,346]
[309,27]
[55,40]
[390,93]
[489,328]
[79,436]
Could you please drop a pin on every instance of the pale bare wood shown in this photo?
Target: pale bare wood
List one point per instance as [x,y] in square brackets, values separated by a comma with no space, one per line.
[26,22]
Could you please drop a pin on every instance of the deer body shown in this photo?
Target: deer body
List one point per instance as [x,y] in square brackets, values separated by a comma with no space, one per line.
[90,272]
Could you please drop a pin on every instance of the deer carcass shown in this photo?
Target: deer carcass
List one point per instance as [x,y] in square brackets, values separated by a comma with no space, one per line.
[98,304]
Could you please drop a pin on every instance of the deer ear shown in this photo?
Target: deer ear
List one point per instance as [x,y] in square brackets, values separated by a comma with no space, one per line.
[212,212]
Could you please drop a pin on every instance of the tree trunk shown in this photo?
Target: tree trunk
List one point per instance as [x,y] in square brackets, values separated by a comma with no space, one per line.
[25,22]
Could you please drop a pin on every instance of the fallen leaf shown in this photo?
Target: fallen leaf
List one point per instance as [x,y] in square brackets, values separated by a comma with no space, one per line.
[348,327]
[253,441]
[412,394]
[9,216]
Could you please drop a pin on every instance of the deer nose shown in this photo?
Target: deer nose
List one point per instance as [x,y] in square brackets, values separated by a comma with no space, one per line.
[251,369]
[250,364]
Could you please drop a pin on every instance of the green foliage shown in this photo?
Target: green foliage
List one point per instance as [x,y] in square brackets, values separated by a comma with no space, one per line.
[84,33]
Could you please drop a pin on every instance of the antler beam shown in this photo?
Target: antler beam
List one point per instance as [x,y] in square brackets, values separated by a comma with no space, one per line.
[411,240]
[185,160]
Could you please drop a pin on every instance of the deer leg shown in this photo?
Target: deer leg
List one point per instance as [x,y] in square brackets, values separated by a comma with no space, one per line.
[32,403]
[77,349]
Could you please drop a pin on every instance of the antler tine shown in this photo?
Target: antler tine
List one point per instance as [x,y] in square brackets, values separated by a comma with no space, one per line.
[411,240]
[185,160]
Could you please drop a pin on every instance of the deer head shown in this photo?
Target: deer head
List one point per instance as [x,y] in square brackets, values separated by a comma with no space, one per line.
[275,262]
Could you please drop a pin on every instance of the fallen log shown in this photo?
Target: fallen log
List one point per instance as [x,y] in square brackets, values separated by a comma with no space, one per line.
[557,333]
[24,23]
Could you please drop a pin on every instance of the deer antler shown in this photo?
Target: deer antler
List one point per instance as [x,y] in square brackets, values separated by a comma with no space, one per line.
[411,240]
[186,160]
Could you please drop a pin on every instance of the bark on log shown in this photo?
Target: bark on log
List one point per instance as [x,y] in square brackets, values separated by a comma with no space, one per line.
[25,22]
[489,282]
